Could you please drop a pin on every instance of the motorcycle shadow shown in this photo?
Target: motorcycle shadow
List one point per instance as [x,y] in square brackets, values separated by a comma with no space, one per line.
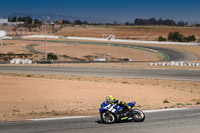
[100,122]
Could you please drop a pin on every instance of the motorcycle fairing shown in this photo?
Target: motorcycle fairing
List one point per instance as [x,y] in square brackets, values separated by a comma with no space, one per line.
[110,107]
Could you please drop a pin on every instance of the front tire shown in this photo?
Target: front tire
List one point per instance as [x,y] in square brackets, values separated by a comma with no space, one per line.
[108,117]
[138,115]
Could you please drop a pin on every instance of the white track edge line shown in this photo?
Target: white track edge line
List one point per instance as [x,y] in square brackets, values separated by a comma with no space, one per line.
[164,110]
[79,117]
[59,118]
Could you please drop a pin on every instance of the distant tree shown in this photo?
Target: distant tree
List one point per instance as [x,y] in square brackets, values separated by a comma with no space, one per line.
[127,23]
[84,22]
[198,25]
[77,22]
[66,22]
[160,21]
[37,22]
[180,23]
[28,20]
[14,19]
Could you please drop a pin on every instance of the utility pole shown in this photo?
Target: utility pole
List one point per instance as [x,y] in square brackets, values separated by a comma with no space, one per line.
[46,40]
[46,37]
[109,38]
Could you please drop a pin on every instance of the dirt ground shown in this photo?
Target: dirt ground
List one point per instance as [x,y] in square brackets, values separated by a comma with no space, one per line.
[78,50]
[25,96]
[128,32]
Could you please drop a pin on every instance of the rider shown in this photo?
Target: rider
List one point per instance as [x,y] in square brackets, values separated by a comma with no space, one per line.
[110,100]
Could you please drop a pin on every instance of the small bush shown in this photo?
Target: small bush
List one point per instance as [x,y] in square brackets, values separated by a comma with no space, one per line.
[177,37]
[198,102]
[190,38]
[165,101]
[52,56]
[125,82]
[28,75]
[161,39]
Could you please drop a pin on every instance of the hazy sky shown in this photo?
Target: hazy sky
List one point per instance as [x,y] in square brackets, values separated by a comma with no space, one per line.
[120,10]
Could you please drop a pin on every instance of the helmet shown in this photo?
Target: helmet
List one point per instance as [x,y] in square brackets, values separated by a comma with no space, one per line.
[109,98]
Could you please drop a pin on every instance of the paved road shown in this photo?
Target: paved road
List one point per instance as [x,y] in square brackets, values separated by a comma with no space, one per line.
[31,48]
[184,121]
[173,55]
[107,72]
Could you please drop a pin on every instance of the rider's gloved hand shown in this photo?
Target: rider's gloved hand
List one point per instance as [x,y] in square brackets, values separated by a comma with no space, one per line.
[115,101]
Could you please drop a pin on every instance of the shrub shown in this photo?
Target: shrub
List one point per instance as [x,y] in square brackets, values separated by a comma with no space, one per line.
[165,101]
[52,56]
[160,38]
[175,37]
[190,38]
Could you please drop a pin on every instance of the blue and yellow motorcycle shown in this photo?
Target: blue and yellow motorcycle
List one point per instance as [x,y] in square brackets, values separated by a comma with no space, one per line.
[118,112]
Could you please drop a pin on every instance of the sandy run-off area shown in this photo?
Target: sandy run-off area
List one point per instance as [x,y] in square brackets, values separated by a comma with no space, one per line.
[25,96]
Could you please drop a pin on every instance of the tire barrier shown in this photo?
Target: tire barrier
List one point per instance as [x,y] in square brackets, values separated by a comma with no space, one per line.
[174,63]
[21,61]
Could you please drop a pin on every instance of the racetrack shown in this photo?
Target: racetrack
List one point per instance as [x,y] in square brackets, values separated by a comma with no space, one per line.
[179,121]
[172,54]
[173,74]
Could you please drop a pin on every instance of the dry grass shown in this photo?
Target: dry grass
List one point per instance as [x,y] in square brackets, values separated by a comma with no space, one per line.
[129,32]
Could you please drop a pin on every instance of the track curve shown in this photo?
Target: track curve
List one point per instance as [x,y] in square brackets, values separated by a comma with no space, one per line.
[173,54]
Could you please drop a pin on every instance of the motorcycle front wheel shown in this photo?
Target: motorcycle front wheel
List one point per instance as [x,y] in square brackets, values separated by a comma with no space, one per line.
[107,117]
[138,115]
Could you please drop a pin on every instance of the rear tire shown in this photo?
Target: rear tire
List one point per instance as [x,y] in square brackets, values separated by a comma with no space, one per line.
[138,115]
[108,117]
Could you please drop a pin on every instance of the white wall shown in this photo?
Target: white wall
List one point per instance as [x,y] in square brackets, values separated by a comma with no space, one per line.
[3,21]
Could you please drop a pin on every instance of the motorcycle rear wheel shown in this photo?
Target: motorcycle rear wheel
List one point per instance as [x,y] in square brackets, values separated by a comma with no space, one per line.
[108,118]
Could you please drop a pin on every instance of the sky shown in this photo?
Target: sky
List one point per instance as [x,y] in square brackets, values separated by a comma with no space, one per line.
[119,10]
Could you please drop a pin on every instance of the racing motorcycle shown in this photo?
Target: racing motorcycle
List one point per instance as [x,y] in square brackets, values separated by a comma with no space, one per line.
[114,112]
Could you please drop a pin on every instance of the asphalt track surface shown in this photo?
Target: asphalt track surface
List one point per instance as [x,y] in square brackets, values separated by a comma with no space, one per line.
[180,121]
[171,74]
[173,54]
